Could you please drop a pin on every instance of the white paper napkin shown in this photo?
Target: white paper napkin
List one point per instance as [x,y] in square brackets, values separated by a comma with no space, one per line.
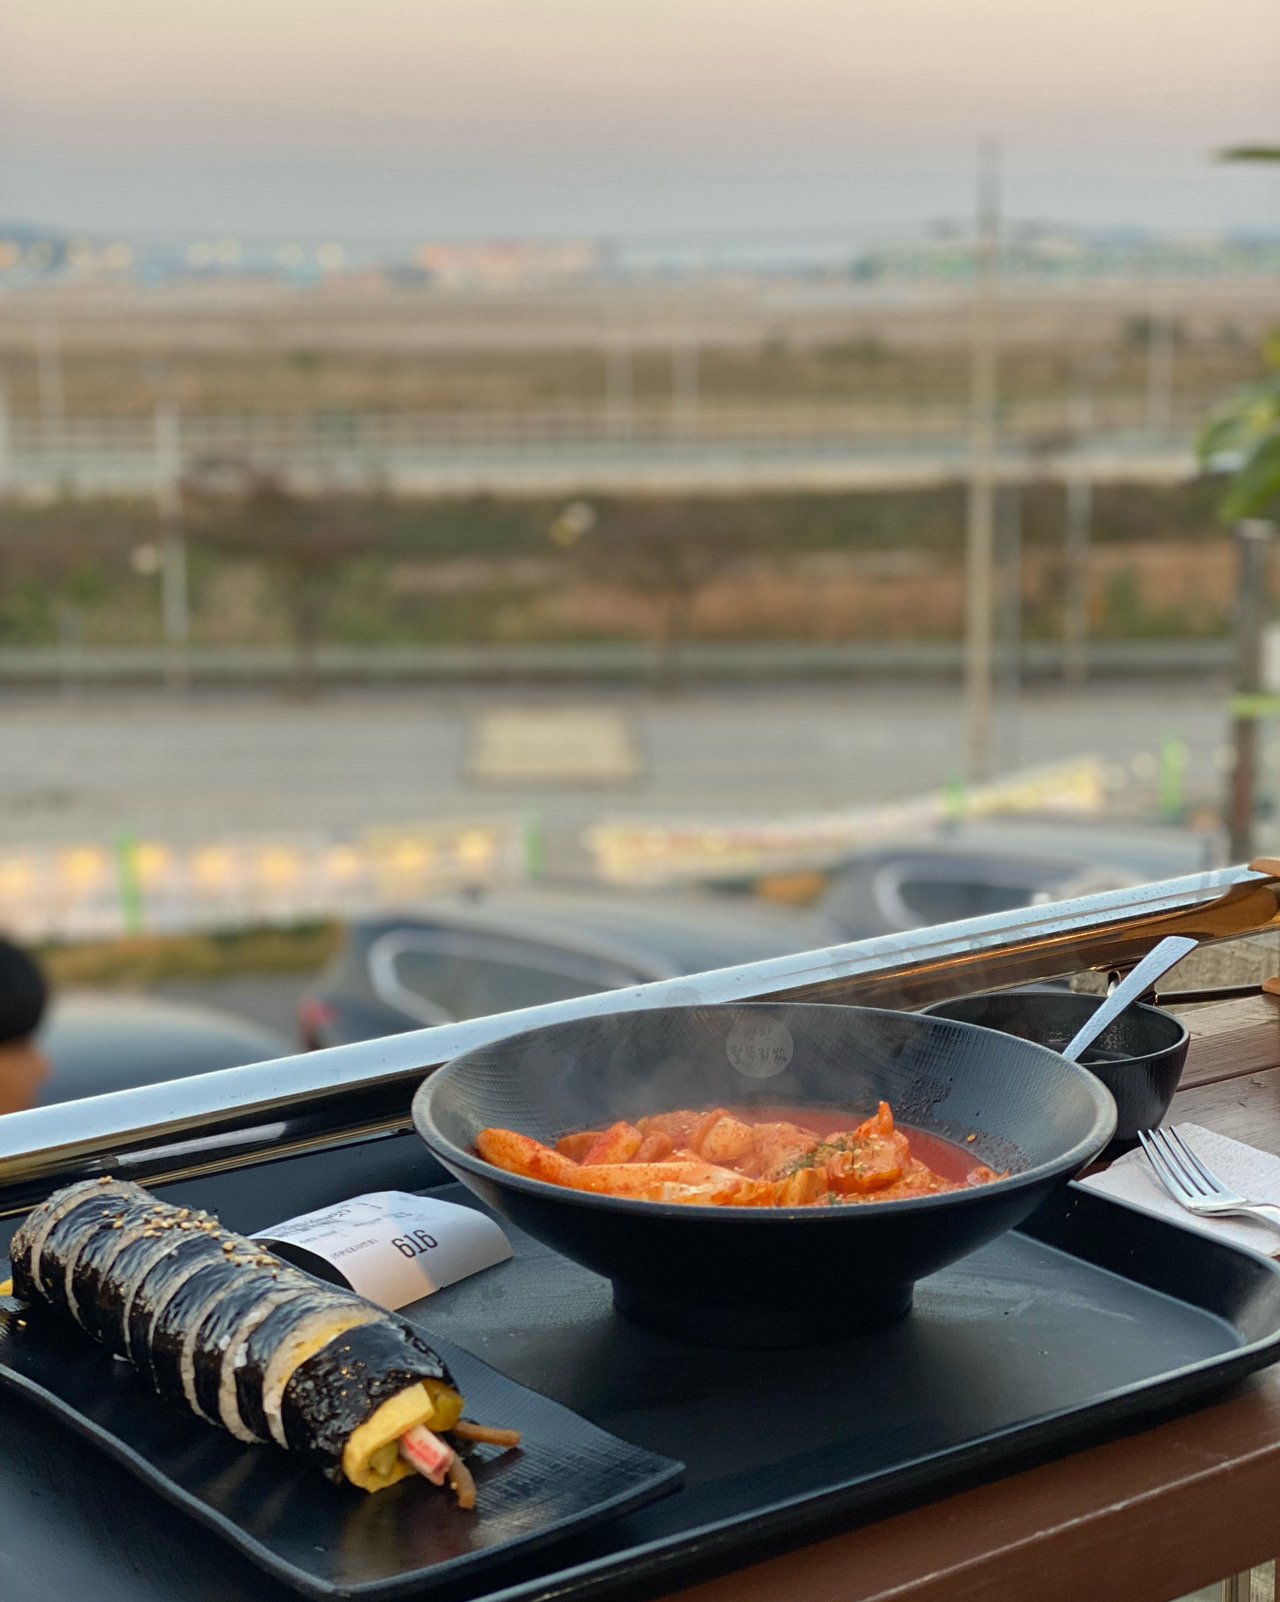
[1250,1172]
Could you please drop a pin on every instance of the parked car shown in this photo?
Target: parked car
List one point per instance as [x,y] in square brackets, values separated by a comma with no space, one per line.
[97,1043]
[470,955]
[987,868]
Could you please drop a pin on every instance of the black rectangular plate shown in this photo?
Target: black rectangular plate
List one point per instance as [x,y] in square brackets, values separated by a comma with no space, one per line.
[1093,1319]
[327,1539]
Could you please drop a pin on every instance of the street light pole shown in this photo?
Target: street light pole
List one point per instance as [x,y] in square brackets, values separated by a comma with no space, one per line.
[980,537]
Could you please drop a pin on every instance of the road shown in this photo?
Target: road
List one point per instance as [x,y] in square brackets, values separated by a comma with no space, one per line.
[186,770]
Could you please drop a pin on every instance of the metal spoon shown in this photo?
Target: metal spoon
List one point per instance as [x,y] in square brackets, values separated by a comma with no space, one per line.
[1156,962]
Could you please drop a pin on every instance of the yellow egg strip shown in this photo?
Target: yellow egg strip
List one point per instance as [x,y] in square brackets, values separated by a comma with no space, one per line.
[370,1459]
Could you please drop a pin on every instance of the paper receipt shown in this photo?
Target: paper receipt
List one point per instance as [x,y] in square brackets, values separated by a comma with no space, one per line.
[393,1247]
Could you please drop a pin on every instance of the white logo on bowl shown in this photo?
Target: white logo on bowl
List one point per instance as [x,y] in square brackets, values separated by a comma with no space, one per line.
[759,1048]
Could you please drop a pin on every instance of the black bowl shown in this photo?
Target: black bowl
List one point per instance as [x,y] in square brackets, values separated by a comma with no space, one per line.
[768,1276]
[1138,1057]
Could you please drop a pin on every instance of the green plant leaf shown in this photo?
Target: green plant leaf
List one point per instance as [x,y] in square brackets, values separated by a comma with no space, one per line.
[1255,487]
[1271,348]
[1246,422]
[1220,435]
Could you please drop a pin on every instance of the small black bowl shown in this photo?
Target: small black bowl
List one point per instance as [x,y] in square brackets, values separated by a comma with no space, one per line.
[1138,1057]
[768,1276]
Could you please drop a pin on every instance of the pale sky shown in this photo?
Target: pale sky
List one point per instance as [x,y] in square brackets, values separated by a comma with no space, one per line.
[405,117]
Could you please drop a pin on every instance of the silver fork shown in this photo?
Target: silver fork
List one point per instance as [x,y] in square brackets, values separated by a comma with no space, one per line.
[1189,1182]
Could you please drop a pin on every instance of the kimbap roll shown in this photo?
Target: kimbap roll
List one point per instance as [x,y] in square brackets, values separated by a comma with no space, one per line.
[247,1341]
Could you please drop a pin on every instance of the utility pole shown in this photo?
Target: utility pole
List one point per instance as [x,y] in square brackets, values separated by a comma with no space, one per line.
[980,540]
[1254,537]
[1009,565]
[1079,517]
[49,387]
[6,443]
[175,612]
[1160,330]
[1251,606]
[684,379]
[618,385]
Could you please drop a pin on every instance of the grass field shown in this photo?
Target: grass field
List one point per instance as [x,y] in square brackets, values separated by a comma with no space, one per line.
[820,567]
[238,347]
[138,961]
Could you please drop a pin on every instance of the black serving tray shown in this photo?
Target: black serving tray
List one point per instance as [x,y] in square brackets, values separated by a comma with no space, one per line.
[1092,1319]
[327,1539]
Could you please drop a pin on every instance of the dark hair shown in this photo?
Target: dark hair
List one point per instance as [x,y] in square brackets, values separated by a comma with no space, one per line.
[23,994]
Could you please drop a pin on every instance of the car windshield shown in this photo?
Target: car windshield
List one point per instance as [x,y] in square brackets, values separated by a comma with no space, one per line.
[440,976]
[944,900]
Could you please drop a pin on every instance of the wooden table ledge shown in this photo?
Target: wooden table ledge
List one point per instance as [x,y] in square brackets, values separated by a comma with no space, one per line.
[1231,1038]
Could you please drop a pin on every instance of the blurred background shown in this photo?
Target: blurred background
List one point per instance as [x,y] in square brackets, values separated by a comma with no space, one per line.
[498,501]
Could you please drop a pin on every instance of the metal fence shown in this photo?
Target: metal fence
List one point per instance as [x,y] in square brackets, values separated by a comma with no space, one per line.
[871,441]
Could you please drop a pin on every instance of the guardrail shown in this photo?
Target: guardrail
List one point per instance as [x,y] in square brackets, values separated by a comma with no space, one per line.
[1039,423]
[305,1103]
[618,661]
